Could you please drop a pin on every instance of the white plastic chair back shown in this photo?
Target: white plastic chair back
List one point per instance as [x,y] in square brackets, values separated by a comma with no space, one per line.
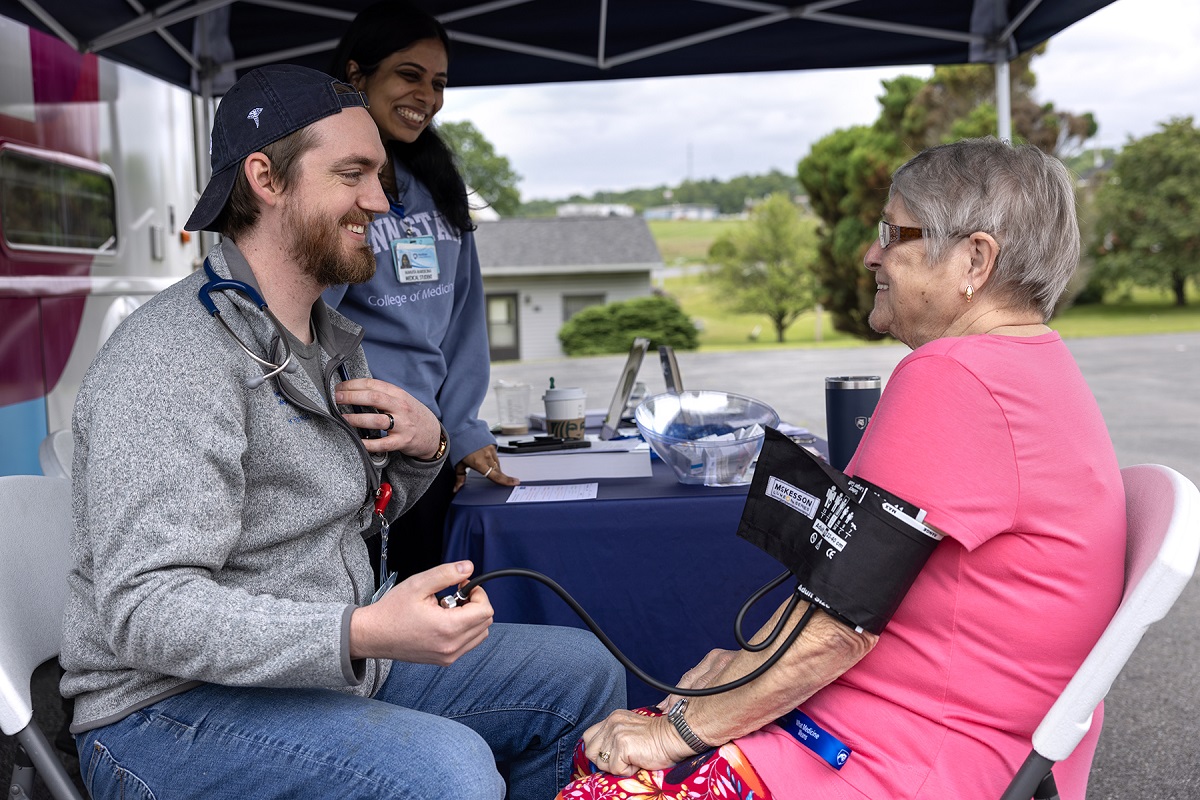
[56,453]
[1162,511]
[35,557]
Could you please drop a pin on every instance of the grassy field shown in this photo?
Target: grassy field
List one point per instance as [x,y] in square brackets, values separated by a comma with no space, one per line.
[686,241]
[683,243]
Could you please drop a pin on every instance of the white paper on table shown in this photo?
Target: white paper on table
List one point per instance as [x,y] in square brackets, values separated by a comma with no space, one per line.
[553,494]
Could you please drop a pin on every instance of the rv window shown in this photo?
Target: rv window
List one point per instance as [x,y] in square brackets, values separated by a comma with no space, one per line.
[47,204]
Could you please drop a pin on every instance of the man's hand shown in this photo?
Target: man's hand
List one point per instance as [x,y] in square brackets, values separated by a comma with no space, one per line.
[486,463]
[408,624]
[414,430]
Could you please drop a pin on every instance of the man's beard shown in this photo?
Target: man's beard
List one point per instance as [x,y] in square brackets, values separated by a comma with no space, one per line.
[318,249]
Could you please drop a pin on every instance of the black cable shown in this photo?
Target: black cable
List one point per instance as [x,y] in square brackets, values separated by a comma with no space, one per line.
[461,595]
[754,598]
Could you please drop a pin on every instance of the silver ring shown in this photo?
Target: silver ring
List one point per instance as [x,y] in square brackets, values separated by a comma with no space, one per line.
[489,470]
[391,421]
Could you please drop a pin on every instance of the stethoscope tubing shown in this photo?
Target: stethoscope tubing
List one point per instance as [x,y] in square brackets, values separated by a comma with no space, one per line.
[463,593]
[216,283]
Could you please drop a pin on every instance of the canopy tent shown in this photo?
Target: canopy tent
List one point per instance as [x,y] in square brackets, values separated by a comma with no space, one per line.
[204,44]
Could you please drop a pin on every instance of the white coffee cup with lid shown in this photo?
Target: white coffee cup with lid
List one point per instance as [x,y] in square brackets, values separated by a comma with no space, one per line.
[566,412]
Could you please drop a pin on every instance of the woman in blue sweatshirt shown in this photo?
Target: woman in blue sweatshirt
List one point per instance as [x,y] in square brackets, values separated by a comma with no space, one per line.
[425,324]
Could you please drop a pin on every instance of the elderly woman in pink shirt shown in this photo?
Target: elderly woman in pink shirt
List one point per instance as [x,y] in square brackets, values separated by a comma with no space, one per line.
[989,426]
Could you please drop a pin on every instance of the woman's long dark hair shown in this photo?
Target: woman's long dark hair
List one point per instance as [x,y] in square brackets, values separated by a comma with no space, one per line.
[378,31]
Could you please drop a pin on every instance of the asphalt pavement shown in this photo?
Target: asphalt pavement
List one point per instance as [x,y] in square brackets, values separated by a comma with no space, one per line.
[1148,388]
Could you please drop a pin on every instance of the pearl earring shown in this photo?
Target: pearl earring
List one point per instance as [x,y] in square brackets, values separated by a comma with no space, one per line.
[970,292]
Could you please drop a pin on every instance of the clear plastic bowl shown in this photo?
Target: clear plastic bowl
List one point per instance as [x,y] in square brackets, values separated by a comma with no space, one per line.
[676,426]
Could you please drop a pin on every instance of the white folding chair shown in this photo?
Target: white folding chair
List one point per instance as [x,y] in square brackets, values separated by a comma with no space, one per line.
[1163,512]
[56,453]
[35,557]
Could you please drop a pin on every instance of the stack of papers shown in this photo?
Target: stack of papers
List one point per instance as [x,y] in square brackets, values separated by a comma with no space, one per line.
[618,458]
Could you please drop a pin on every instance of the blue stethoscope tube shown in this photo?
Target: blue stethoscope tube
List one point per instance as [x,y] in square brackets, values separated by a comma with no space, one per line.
[218,284]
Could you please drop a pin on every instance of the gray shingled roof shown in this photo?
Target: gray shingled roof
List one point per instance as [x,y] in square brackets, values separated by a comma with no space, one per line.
[570,242]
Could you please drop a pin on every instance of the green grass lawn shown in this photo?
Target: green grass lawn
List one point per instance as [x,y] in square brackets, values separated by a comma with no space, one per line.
[686,243]
[682,241]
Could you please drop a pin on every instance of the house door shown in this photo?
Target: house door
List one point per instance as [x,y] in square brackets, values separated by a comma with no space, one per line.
[502,327]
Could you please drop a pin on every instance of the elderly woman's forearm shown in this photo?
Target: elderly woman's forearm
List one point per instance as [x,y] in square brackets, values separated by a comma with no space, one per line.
[823,652]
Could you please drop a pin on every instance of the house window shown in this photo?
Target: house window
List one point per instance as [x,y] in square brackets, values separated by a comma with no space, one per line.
[48,204]
[574,303]
[502,327]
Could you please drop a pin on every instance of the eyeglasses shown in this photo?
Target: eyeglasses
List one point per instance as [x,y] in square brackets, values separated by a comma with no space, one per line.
[889,233]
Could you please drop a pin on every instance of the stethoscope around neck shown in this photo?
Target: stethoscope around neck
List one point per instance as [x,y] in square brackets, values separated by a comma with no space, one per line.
[218,284]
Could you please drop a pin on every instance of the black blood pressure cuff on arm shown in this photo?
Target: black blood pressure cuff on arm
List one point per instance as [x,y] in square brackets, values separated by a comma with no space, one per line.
[854,548]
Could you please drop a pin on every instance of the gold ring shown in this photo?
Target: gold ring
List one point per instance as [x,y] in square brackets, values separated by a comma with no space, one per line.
[489,470]
[603,755]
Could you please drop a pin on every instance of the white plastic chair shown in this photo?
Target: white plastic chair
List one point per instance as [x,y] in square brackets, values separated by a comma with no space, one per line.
[56,452]
[35,557]
[1163,512]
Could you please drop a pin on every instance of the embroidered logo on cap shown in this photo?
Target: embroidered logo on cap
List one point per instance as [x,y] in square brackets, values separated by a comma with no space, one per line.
[254,114]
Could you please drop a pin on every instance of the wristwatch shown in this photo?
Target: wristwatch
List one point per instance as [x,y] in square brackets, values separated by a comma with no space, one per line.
[443,443]
[675,715]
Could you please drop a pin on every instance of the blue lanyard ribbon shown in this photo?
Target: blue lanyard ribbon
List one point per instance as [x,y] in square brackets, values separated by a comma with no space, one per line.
[801,727]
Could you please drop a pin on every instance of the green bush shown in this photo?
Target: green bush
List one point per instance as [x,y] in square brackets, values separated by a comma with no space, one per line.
[612,328]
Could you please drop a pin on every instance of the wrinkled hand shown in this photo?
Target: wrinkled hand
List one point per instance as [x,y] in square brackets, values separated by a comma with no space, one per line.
[486,462]
[408,623]
[416,431]
[634,741]
[701,675]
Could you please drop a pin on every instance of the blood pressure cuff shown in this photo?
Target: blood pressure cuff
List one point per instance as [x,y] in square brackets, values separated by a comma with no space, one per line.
[854,547]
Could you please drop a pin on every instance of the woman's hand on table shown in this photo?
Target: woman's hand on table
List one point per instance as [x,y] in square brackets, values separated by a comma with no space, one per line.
[486,462]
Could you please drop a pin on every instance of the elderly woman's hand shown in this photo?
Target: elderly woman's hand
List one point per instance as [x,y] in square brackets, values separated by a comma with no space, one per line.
[628,741]
[701,675]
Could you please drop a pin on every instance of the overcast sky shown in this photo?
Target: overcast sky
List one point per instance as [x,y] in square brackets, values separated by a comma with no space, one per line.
[1134,64]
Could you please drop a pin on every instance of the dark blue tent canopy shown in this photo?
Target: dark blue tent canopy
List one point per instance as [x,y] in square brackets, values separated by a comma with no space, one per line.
[498,42]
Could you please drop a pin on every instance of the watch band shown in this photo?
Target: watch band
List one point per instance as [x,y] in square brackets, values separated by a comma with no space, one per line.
[443,443]
[675,715]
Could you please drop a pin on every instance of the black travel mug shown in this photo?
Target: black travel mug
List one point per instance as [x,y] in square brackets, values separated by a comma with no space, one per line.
[849,403]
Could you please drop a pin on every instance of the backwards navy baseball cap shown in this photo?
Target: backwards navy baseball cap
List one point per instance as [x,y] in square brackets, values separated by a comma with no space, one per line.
[266,105]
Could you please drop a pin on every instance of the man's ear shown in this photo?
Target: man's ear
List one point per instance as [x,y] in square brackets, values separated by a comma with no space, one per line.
[983,251]
[257,168]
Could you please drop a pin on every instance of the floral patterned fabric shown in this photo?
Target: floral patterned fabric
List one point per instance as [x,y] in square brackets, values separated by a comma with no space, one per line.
[722,774]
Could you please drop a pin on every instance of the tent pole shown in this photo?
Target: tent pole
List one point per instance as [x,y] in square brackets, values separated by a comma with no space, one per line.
[1003,98]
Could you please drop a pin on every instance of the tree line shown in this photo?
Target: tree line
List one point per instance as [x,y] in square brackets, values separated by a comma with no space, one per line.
[1139,212]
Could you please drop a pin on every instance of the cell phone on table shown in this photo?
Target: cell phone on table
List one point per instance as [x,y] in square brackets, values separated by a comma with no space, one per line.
[539,444]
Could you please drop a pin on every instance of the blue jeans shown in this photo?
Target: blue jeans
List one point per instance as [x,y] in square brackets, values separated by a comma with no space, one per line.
[522,698]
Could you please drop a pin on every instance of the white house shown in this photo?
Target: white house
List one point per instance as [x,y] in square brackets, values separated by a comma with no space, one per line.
[537,273]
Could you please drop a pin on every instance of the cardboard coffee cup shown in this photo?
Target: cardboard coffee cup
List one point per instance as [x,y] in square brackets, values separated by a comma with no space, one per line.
[566,412]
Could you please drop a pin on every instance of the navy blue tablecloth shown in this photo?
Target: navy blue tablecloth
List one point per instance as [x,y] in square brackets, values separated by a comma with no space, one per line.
[656,563]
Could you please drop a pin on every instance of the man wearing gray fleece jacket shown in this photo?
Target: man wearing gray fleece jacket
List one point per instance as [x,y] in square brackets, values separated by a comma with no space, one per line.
[221,638]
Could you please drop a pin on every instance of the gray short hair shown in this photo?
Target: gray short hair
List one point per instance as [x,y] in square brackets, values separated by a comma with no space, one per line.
[1024,198]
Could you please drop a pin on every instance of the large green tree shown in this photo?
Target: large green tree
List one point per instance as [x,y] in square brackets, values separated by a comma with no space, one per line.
[847,173]
[764,267]
[487,172]
[1148,228]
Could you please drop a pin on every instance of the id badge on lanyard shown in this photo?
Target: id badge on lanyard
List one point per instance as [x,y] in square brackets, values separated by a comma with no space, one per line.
[415,259]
